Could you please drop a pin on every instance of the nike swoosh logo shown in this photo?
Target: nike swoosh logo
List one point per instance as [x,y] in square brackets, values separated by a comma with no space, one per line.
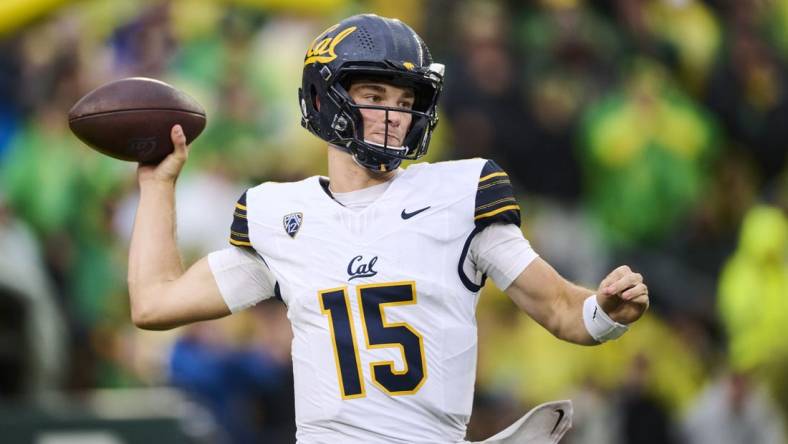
[406,215]
[560,417]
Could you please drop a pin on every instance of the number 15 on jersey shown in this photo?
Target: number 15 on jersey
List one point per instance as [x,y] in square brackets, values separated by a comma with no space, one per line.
[378,333]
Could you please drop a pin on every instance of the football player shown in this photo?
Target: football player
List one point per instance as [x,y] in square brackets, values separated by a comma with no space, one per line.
[379,266]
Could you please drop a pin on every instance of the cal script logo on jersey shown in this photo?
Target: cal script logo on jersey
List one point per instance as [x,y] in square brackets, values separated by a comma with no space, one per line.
[357,268]
[292,223]
[323,51]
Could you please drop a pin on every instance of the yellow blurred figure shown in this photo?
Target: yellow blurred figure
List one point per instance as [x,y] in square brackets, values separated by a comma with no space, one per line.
[693,30]
[16,13]
[753,291]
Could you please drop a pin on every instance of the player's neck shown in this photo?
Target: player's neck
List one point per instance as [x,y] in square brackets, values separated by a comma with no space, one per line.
[345,175]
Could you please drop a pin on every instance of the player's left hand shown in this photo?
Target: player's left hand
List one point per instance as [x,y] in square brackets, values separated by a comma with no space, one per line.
[623,295]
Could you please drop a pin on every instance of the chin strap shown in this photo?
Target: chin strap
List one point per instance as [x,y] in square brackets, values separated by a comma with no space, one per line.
[378,163]
[375,162]
[372,161]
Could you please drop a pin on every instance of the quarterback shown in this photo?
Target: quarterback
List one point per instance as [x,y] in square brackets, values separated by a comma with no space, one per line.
[379,266]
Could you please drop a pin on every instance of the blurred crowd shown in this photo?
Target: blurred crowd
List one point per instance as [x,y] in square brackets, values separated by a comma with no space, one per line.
[647,132]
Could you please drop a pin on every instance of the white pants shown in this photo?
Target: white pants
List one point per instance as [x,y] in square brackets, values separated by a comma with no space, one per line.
[544,424]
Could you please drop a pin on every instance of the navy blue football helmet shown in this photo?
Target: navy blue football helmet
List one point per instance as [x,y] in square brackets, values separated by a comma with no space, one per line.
[370,47]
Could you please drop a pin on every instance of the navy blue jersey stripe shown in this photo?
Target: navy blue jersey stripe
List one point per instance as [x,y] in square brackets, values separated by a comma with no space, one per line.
[469,284]
[493,182]
[495,201]
[239,230]
[490,168]
[278,292]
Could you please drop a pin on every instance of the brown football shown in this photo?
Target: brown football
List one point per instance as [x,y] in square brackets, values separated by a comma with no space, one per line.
[131,119]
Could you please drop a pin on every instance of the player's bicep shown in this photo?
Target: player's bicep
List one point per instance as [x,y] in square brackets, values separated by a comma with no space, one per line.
[198,292]
[537,291]
[242,277]
[494,204]
[241,274]
[501,252]
[193,297]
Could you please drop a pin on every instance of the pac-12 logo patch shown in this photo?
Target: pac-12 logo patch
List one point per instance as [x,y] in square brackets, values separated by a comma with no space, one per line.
[292,223]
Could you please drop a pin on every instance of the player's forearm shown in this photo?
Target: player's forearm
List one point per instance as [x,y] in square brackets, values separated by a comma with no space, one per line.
[568,322]
[552,301]
[154,260]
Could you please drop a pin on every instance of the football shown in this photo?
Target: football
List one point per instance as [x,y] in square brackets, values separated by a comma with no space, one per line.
[130,119]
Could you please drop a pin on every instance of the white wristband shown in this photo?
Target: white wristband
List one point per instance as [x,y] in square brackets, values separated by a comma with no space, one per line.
[598,323]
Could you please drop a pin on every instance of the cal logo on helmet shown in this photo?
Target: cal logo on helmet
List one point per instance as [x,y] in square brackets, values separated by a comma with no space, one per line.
[323,51]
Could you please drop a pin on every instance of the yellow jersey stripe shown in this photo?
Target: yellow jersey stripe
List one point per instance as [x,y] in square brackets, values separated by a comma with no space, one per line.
[240,207]
[235,233]
[237,214]
[496,202]
[489,176]
[240,243]
[499,210]
[492,184]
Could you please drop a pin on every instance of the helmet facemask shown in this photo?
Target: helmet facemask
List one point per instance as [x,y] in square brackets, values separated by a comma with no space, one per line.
[348,122]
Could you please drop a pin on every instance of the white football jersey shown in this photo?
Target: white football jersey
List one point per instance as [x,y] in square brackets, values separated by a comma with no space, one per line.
[381,307]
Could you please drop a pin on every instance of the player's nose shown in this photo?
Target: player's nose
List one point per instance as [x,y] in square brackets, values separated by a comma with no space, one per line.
[394,118]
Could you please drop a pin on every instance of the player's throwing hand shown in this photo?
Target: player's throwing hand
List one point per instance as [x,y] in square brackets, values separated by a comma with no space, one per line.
[167,170]
[623,295]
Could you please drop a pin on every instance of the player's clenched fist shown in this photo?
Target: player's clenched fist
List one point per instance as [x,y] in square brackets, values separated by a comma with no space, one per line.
[623,295]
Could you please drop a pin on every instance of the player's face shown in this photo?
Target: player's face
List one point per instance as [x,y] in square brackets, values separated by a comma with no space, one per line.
[382,94]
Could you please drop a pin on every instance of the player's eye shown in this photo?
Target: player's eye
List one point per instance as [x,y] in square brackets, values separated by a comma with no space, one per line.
[406,104]
[374,98]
